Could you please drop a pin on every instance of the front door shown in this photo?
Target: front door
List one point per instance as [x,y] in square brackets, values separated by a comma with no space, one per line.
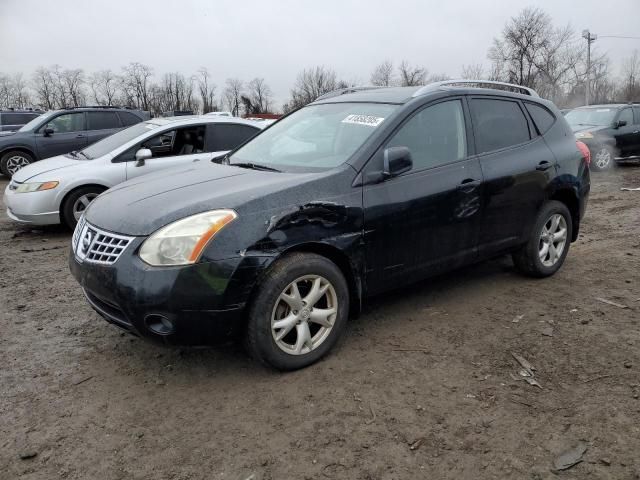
[69,134]
[627,135]
[425,220]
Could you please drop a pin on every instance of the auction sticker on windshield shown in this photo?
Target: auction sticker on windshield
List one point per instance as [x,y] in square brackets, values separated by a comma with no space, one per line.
[368,120]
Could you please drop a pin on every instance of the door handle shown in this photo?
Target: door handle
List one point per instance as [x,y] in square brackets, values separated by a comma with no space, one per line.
[544,165]
[469,184]
[80,136]
[637,131]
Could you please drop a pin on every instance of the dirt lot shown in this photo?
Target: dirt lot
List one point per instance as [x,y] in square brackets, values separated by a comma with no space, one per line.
[423,385]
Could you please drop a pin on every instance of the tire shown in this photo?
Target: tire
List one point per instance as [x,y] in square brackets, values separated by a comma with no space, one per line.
[76,202]
[291,352]
[602,158]
[13,161]
[529,259]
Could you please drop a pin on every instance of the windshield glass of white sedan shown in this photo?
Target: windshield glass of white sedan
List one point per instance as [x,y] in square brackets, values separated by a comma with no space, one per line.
[315,137]
[116,140]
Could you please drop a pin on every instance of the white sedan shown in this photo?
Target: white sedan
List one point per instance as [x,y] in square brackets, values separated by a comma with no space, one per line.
[59,189]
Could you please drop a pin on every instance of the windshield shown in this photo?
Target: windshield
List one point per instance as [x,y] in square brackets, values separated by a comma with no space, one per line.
[27,127]
[110,143]
[316,137]
[591,116]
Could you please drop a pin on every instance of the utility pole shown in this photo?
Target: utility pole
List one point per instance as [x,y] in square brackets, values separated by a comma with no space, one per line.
[590,38]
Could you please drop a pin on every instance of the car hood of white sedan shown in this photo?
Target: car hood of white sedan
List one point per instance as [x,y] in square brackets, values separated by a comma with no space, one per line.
[45,166]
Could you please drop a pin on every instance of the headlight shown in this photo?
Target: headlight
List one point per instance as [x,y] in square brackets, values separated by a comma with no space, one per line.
[35,187]
[182,242]
[584,135]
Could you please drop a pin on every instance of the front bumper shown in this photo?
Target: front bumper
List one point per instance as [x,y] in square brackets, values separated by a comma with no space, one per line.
[202,303]
[36,208]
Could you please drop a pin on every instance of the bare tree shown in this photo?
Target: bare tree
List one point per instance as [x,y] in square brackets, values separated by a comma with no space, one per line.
[207,91]
[135,84]
[44,87]
[630,88]
[104,87]
[472,72]
[411,76]
[382,75]
[259,96]
[73,80]
[232,95]
[310,84]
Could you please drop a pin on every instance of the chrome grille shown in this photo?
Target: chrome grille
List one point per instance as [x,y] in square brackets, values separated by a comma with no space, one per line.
[76,232]
[98,246]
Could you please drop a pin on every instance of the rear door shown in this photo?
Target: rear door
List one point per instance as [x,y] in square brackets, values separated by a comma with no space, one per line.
[517,166]
[425,220]
[101,124]
[222,137]
[68,134]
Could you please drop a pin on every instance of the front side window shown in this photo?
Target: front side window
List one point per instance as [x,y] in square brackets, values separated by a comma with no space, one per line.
[227,136]
[435,135]
[316,137]
[170,143]
[110,143]
[66,123]
[626,116]
[102,120]
[498,124]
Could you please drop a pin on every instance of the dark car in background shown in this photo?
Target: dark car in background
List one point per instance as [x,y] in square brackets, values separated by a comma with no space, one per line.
[62,131]
[360,192]
[612,132]
[11,120]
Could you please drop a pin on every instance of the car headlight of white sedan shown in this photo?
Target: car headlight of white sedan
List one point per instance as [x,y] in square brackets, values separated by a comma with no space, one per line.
[182,242]
[35,186]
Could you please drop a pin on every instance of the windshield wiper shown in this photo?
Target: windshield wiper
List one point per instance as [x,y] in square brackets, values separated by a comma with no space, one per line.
[254,166]
[83,154]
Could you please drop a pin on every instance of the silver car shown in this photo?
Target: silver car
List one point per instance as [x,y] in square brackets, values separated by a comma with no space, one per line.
[59,189]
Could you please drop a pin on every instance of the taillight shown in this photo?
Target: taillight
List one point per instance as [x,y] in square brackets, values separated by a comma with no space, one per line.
[586,153]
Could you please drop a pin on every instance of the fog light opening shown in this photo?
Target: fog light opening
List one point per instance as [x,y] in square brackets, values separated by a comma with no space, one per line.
[159,324]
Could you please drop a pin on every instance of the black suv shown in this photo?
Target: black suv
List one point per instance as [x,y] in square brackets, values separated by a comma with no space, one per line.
[612,132]
[360,192]
[62,131]
[12,119]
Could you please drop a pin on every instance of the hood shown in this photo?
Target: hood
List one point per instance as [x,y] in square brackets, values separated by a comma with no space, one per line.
[587,128]
[7,133]
[142,205]
[49,166]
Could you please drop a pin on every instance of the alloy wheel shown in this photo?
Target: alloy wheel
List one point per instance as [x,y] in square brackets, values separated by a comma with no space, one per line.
[16,162]
[81,204]
[603,158]
[304,314]
[553,239]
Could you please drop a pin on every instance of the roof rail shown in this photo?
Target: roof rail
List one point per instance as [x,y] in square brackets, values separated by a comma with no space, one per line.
[93,106]
[343,91]
[492,84]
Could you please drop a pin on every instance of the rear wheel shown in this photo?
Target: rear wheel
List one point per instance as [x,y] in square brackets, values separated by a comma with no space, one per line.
[13,161]
[602,158]
[544,253]
[298,313]
[77,202]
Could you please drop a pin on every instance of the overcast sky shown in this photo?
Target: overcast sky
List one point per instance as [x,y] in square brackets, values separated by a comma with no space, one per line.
[275,39]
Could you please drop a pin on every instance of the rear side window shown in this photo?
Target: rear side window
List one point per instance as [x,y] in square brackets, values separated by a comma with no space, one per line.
[435,135]
[542,117]
[129,119]
[221,136]
[498,124]
[102,120]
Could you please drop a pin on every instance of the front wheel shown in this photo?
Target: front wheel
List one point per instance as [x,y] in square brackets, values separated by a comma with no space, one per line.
[547,248]
[298,313]
[602,158]
[76,203]
[13,161]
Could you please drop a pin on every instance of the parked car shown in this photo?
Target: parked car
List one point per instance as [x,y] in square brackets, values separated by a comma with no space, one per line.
[11,120]
[612,132]
[59,189]
[61,131]
[296,228]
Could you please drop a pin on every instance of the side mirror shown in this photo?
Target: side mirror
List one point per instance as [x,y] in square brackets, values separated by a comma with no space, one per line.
[142,155]
[620,123]
[48,131]
[397,160]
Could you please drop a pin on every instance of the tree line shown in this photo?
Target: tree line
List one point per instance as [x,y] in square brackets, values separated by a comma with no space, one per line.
[530,51]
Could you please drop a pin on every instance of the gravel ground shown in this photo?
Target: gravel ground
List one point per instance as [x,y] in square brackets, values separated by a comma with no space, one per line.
[423,385]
